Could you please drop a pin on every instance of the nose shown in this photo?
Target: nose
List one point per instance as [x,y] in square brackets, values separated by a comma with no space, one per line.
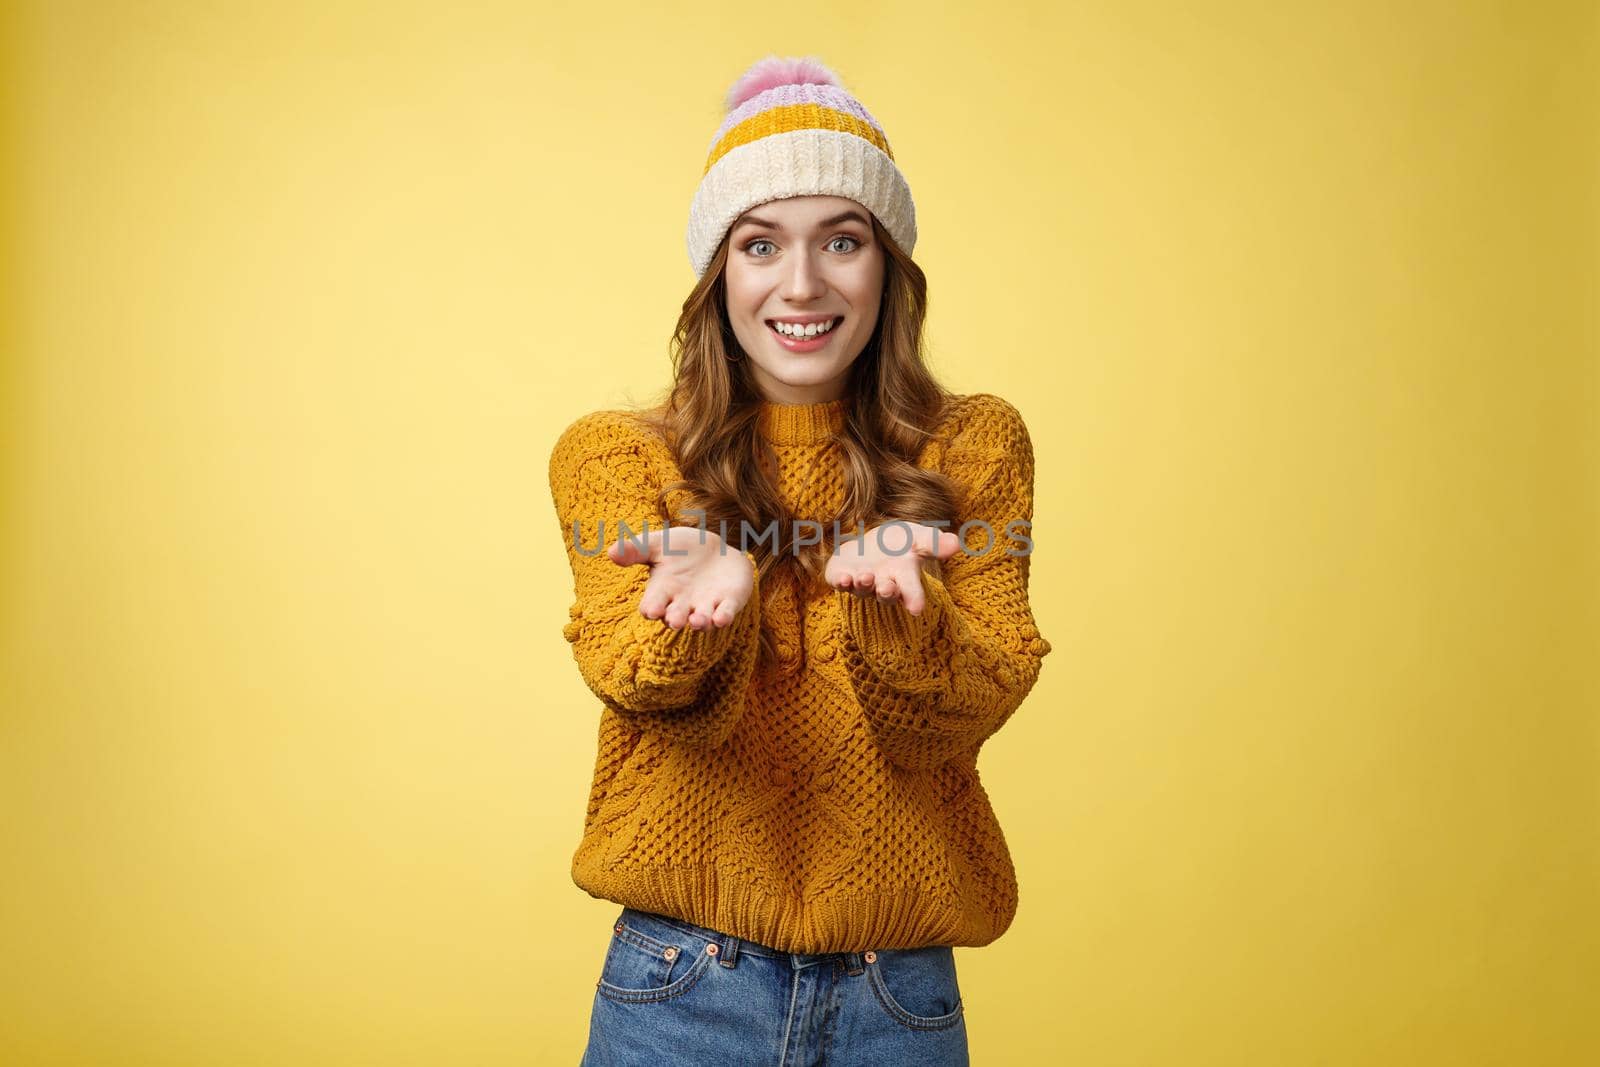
[803,282]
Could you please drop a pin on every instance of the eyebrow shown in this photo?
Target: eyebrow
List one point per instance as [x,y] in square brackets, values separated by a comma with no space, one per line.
[843,216]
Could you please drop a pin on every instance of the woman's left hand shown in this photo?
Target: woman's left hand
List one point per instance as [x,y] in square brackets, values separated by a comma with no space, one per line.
[892,570]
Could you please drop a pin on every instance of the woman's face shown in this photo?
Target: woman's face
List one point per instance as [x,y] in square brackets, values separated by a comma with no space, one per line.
[805,259]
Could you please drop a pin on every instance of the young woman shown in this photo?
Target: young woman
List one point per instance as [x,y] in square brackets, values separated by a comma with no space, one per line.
[810,612]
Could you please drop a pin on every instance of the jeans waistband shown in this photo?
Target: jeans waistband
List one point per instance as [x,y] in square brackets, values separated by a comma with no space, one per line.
[733,945]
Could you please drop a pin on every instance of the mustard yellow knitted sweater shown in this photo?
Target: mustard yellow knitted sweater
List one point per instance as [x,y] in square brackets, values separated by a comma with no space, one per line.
[828,801]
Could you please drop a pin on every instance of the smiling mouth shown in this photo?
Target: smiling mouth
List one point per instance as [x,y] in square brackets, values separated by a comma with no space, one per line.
[800,333]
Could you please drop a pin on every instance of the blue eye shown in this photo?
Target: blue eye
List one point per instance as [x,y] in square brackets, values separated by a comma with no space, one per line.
[854,244]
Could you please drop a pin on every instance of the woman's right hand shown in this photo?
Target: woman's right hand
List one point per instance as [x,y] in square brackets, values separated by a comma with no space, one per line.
[701,582]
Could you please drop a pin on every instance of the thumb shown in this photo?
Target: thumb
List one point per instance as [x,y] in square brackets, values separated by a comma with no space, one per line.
[627,551]
[945,544]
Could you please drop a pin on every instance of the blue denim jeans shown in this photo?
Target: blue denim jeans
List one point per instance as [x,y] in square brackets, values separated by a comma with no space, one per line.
[671,992]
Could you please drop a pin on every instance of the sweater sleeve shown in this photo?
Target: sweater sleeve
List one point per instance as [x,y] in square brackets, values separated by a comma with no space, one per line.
[685,684]
[935,686]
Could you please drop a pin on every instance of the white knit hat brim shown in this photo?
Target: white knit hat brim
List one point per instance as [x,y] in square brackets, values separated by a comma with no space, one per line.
[799,163]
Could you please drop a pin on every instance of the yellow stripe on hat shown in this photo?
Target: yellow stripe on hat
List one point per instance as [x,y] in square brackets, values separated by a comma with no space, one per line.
[789,118]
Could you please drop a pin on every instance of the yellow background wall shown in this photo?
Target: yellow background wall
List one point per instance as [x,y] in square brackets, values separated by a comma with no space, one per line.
[1299,301]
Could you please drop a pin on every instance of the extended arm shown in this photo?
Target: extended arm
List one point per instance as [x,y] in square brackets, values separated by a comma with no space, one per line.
[935,686]
[684,683]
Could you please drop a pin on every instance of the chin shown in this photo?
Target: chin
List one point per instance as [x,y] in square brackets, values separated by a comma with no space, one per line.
[811,374]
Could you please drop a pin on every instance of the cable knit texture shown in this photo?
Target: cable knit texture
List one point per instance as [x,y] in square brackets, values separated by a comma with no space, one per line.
[828,801]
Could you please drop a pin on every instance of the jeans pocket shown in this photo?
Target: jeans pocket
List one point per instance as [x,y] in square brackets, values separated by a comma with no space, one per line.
[917,987]
[650,960]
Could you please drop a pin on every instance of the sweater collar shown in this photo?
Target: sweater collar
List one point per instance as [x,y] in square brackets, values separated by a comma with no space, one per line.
[801,424]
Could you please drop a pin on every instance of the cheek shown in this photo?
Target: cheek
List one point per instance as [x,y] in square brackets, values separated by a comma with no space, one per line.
[865,300]
[864,284]
[744,301]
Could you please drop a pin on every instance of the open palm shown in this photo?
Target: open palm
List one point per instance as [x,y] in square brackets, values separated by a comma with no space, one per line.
[862,566]
[701,582]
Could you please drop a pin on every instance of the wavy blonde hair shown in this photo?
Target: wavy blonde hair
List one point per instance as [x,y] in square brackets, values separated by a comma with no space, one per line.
[708,418]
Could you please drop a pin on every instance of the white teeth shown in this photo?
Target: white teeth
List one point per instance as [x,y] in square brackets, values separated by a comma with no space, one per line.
[809,330]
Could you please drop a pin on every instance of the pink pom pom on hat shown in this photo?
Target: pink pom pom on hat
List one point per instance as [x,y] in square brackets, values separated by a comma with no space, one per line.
[774,71]
[792,129]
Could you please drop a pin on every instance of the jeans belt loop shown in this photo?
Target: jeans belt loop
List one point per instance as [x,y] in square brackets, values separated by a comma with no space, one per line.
[728,954]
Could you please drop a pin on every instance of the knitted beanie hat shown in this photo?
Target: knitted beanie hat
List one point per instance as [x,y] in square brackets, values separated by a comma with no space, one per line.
[792,130]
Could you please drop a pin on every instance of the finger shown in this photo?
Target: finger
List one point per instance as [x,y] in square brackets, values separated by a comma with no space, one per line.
[887,588]
[677,614]
[703,617]
[914,598]
[653,601]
